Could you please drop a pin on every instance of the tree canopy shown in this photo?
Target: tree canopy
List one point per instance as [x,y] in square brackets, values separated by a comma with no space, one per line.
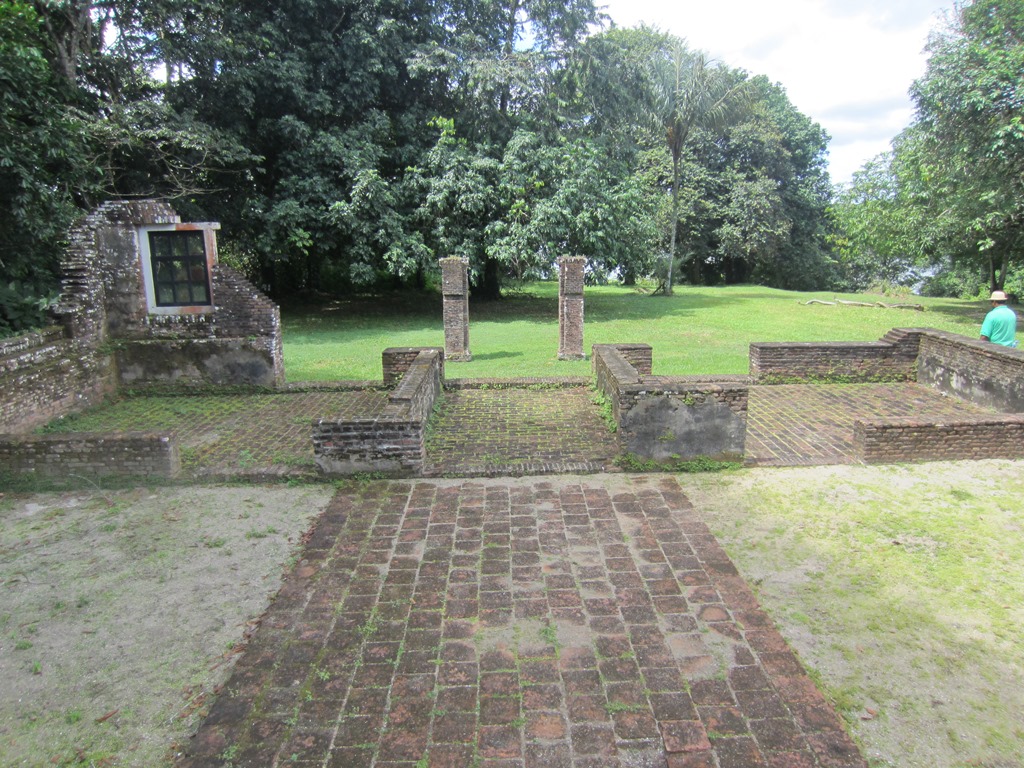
[949,198]
[348,144]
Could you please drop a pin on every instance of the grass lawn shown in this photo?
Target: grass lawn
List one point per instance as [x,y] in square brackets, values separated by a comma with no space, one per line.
[696,331]
[901,588]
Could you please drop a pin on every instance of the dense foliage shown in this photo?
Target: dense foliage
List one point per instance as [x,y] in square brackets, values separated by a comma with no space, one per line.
[948,201]
[348,143]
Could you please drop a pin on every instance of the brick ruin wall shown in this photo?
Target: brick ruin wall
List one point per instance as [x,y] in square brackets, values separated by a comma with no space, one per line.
[985,374]
[91,455]
[977,371]
[894,442]
[893,358]
[45,375]
[666,418]
[394,441]
[397,360]
[108,340]
[238,345]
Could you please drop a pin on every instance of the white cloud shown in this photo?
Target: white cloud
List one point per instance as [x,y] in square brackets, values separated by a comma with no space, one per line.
[847,64]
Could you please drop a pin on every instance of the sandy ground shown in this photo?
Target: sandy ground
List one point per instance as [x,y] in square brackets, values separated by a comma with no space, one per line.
[120,612]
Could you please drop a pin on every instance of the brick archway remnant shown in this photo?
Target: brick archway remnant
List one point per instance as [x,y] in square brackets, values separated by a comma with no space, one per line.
[570,307]
[455,292]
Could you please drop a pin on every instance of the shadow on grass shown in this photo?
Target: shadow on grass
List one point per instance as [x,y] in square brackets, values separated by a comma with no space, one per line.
[496,355]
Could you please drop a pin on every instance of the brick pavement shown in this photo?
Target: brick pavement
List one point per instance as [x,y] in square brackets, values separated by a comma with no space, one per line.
[504,431]
[805,424]
[501,431]
[563,622]
[236,436]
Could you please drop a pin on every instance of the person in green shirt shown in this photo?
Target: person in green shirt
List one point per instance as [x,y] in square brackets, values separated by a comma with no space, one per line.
[1000,325]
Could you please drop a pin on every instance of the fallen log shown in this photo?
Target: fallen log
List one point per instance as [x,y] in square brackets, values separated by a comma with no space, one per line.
[883,305]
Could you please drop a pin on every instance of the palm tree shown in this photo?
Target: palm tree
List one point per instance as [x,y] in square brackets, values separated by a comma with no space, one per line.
[691,91]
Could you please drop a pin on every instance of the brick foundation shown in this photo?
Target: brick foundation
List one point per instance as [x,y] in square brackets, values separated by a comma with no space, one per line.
[395,441]
[668,417]
[91,455]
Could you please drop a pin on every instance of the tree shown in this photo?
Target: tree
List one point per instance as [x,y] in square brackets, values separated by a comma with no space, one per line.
[319,95]
[880,229]
[969,134]
[47,167]
[495,88]
[691,92]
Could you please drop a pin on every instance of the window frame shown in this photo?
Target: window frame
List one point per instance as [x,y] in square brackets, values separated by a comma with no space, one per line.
[208,231]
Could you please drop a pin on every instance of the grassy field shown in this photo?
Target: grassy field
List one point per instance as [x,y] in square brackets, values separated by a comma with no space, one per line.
[901,588]
[696,331]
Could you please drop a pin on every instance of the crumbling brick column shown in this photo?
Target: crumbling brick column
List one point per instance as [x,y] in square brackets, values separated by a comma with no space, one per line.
[570,307]
[455,290]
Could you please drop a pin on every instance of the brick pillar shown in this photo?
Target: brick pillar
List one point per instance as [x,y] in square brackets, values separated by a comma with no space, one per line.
[455,289]
[570,307]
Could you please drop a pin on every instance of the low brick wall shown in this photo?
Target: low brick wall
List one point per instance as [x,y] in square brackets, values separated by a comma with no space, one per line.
[397,360]
[91,455]
[894,442]
[893,358]
[45,375]
[977,371]
[395,441]
[671,417]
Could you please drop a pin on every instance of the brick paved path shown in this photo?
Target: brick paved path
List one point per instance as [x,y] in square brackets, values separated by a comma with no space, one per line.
[519,432]
[802,424]
[564,622]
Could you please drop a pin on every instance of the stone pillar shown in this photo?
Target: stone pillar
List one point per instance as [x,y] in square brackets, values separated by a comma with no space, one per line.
[455,290]
[570,307]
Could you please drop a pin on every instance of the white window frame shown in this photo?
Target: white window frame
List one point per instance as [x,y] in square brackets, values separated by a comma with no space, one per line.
[209,230]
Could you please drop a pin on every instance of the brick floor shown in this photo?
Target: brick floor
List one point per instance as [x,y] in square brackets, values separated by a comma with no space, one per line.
[801,424]
[497,431]
[505,431]
[566,622]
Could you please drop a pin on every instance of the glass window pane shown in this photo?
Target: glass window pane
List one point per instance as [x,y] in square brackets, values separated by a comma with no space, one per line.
[180,276]
[195,245]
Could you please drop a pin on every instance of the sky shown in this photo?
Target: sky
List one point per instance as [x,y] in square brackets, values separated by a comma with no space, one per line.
[846,64]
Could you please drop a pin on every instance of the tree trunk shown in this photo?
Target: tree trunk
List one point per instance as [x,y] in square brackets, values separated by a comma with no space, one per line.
[489,284]
[675,223]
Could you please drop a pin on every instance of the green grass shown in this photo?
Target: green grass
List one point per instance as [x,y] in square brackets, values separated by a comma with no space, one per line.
[696,331]
[901,587]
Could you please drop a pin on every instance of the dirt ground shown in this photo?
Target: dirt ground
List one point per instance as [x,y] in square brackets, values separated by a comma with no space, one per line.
[120,612]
